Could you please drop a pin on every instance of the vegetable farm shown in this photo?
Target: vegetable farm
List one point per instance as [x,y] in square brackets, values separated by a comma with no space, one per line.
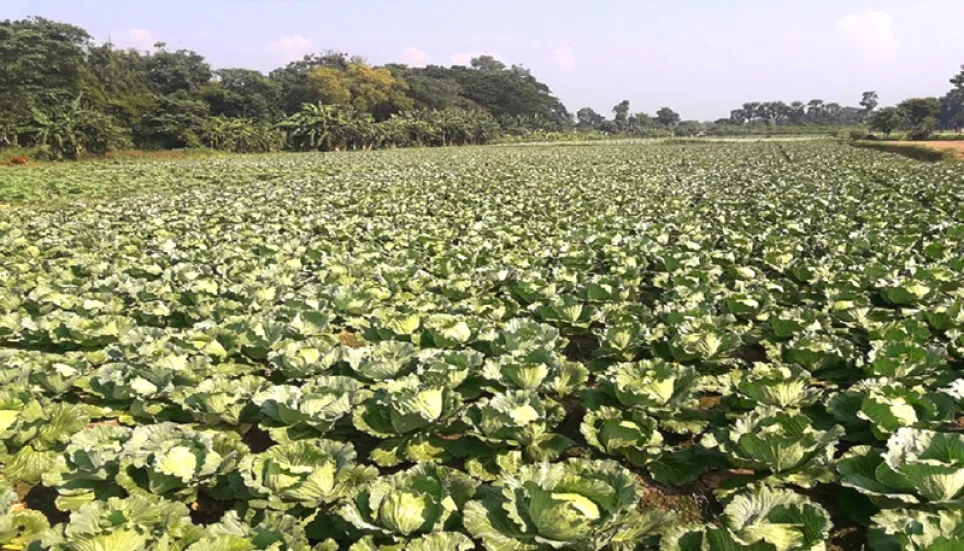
[713,347]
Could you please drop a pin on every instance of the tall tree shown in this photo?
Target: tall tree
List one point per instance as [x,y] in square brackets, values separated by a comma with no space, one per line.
[293,77]
[887,120]
[178,70]
[815,111]
[123,78]
[920,116]
[751,111]
[952,104]
[506,93]
[174,122]
[797,112]
[42,63]
[667,117]
[588,118]
[431,92]
[738,116]
[621,115]
[488,63]
[370,90]
[869,101]
[958,79]
[243,93]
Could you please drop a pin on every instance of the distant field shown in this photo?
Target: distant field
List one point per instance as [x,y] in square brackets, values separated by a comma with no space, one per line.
[728,345]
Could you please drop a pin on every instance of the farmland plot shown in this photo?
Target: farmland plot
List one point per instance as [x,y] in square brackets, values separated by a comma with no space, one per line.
[730,346]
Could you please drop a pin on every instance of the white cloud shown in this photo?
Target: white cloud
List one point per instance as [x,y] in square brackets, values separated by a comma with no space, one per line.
[142,39]
[873,32]
[564,58]
[415,57]
[291,47]
[466,57]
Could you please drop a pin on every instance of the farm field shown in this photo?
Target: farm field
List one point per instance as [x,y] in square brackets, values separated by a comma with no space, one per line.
[710,347]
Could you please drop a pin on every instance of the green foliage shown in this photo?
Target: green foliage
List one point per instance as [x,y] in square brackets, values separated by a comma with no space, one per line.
[68,131]
[411,505]
[335,127]
[37,56]
[908,530]
[887,120]
[917,466]
[174,121]
[578,504]
[308,473]
[760,519]
[541,347]
[240,135]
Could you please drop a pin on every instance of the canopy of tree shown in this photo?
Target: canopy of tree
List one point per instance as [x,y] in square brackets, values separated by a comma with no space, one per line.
[61,91]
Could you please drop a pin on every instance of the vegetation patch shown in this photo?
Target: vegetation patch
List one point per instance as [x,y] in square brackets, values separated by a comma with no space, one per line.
[648,346]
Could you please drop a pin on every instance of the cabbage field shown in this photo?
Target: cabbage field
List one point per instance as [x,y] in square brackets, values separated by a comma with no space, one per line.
[712,347]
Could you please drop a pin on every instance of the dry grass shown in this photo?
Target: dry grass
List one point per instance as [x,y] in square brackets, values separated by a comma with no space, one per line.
[955,148]
[350,339]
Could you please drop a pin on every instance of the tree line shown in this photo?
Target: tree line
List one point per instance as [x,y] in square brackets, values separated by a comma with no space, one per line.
[65,95]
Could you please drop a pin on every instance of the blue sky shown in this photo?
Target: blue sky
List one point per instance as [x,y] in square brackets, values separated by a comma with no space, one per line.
[700,57]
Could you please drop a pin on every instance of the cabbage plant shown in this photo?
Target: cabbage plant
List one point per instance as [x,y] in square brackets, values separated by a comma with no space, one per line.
[917,467]
[407,414]
[759,519]
[539,369]
[306,473]
[783,446]
[408,506]
[703,339]
[270,530]
[90,463]
[381,361]
[577,504]
[42,426]
[177,462]
[627,434]
[904,360]
[666,391]
[450,368]
[449,331]
[520,335]
[437,541]
[222,401]
[780,386]
[308,358]
[519,419]
[567,312]
[18,526]
[311,410]
[128,524]
[909,530]
[880,407]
